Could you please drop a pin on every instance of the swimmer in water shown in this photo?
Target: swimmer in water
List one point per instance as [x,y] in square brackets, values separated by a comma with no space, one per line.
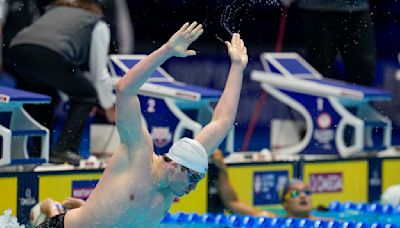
[138,187]
[296,200]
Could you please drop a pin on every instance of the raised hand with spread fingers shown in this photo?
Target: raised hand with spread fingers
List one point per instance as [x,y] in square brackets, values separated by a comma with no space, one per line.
[180,41]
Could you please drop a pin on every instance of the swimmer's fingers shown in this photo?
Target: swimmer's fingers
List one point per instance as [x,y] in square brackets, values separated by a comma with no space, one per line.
[180,41]
[237,50]
[235,39]
[184,27]
[242,48]
[238,43]
[46,205]
[189,53]
[189,29]
[228,45]
[196,33]
[67,204]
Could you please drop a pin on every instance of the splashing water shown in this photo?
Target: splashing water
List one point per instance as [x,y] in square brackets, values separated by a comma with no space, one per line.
[9,221]
[219,38]
[232,10]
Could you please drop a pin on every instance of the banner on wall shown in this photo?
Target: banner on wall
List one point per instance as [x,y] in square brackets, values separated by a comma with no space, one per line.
[337,181]
[8,196]
[77,184]
[389,168]
[267,186]
[27,196]
[374,180]
[326,182]
[83,188]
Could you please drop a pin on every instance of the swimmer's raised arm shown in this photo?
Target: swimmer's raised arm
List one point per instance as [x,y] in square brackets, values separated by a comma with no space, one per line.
[225,112]
[128,107]
[176,46]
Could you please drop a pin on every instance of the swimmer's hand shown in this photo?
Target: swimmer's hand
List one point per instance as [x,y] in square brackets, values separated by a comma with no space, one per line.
[71,203]
[180,41]
[262,213]
[237,51]
[51,208]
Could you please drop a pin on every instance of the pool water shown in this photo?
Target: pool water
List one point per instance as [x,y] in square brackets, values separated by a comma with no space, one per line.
[357,216]
[342,219]
[195,225]
[353,215]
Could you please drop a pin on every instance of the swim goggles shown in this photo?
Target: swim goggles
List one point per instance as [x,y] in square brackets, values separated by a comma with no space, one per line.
[193,178]
[296,193]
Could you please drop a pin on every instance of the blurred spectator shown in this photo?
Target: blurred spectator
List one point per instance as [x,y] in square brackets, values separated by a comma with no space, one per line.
[117,15]
[79,41]
[223,194]
[340,26]
[16,15]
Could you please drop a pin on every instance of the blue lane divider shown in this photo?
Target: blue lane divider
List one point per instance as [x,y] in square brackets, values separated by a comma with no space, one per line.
[221,219]
[376,208]
[233,220]
[208,218]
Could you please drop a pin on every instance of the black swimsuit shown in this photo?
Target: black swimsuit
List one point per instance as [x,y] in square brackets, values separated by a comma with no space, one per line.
[53,222]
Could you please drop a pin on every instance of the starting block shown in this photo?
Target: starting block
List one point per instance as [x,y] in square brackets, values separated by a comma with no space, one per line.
[332,110]
[16,126]
[166,104]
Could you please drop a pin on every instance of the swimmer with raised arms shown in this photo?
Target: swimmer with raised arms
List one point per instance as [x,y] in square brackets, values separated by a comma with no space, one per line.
[138,187]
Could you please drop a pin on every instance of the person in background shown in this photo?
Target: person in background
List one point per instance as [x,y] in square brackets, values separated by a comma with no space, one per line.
[223,195]
[16,15]
[121,26]
[342,27]
[48,64]
[296,199]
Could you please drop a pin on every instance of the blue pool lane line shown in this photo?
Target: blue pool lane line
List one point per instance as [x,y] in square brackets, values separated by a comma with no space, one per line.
[222,220]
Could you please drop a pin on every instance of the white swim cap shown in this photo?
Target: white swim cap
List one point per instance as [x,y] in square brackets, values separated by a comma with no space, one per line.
[189,153]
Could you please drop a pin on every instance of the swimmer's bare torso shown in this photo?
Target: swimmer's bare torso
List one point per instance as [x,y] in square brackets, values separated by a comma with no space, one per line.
[127,195]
